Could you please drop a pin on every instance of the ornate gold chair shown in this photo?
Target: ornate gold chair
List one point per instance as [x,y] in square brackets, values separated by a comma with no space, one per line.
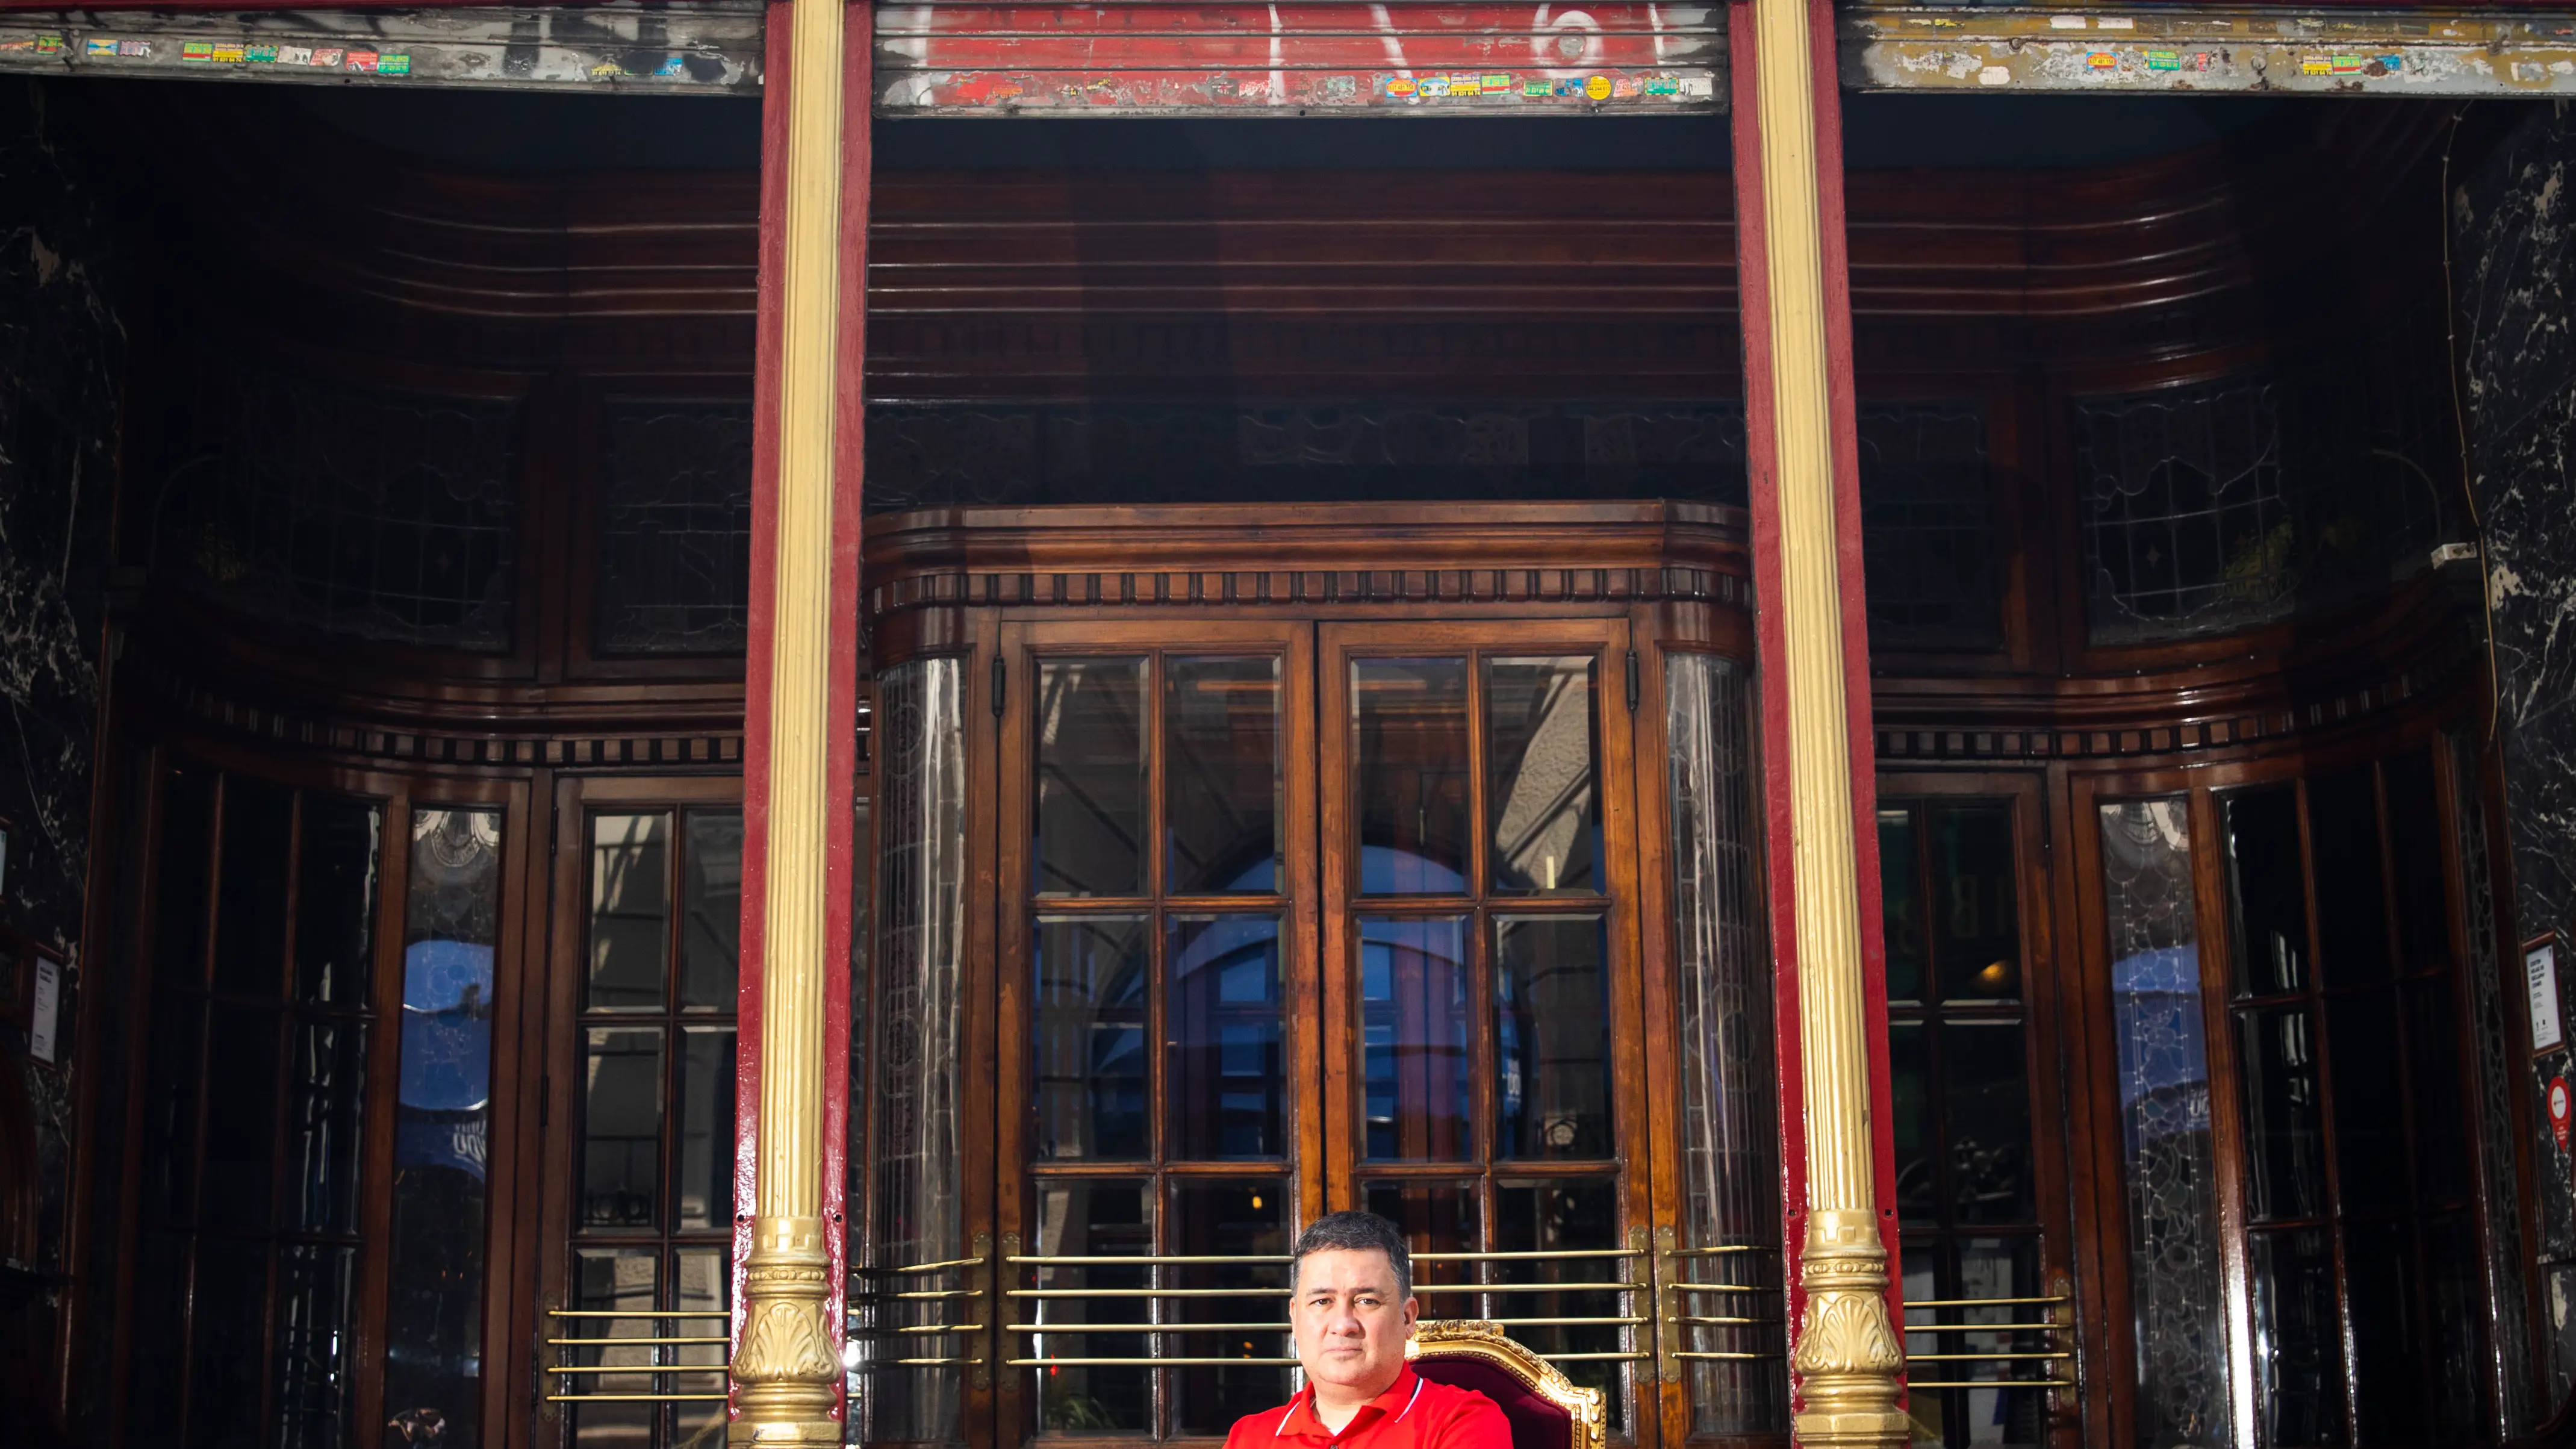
[1545,1409]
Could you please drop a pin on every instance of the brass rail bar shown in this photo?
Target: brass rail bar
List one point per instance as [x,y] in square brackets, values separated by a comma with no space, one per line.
[1727,1357]
[1978,1357]
[1990,1383]
[635,1368]
[636,1313]
[1982,1328]
[1723,1250]
[629,1342]
[1979,1302]
[938,1267]
[636,1398]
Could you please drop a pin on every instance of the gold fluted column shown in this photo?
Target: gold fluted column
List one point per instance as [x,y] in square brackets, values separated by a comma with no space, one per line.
[1847,1354]
[786,1370]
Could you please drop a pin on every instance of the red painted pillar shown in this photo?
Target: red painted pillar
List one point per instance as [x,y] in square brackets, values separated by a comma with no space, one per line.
[1762,448]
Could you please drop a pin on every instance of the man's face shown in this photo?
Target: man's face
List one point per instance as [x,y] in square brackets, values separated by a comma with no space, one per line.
[1349,1321]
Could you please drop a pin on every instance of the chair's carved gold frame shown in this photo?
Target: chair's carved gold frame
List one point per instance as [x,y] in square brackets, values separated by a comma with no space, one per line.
[1484,1341]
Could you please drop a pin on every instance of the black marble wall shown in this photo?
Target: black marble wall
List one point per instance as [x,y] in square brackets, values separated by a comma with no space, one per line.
[62,350]
[2514,249]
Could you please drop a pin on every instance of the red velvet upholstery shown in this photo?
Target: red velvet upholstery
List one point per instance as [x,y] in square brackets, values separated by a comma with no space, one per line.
[1536,1423]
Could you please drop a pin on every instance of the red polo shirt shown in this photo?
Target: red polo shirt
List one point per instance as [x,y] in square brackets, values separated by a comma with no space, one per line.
[1414,1413]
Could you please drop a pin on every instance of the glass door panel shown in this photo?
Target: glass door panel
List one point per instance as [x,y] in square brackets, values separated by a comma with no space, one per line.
[1155,929]
[649,912]
[1478,961]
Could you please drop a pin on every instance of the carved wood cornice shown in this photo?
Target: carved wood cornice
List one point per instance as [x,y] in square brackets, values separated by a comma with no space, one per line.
[1351,554]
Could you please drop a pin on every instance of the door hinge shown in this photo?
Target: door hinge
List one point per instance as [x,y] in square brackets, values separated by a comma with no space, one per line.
[1632,681]
[1001,684]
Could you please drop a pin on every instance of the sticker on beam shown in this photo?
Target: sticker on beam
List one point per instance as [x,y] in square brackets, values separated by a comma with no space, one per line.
[711,47]
[1146,59]
[2283,50]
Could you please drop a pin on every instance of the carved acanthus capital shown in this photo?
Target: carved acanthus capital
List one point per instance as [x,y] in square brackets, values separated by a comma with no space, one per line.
[1848,1354]
[786,1371]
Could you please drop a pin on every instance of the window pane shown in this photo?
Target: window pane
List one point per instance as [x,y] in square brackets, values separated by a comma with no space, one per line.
[2343,829]
[621,1127]
[705,1286]
[1092,1220]
[711,911]
[434,1304]
[1087,1036]
[1975,910]
[171,1083]
[617,1280]
[1900,893]
[2442,1124]
[184,877]
[329,1078]
[1091,777]
[1226,1073]
[2456,1296]
[2174,1252]
[1221,774]
[1918,1166]
[1986,1096]
[705,1165]
[2266,899]
[228,1336]
[1414,986]
[2415,836]
[918,1024]
[335,905]
[1560,1216]
[2285,1153]
[1409,736]
[250,912]
[2369,1101]
[630,911]
[2298,1366]
[1437,1217]
[1998,1268]
[241,1117]
[1210,1218]
[1541,795]
[316,1299]
[2388,1348]
[1552,1038]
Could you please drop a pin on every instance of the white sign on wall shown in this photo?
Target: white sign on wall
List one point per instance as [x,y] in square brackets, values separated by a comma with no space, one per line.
[2540,971]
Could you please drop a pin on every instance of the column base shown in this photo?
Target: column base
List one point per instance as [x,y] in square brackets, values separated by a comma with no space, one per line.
[802,1434]
[1848,1353]
[787,1372]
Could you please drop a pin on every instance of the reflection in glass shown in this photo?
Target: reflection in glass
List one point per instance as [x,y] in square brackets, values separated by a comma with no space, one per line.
[630,911]
[2343,830]
[1976,912]
[2298,1364]
[316,1297]
[621,1128]
[434,1302]
[226,1337]
[1722,984]
[918,1023]
[1221,775]
[2388,1344]
[2370,1102]
[335,902]
[2174,1274]
[2443,1169]
[171,1083]
[1409,734]
[185,877]
[1551,1038]
[2285,1147]
[1087,1036]
[328,1079]
[1218,1218]
[1995,1268]
[1226,1077]
[1091,777]
[1415,1052]
[1918,1166]
[1555,1216]
[616,1280]
[705,1286]
[1092,1219]
[711,910]
[704,1162]
[2267,900]
[1437,1217]
[1541,795]
[1986,1098]
[1900,893]
[250,926]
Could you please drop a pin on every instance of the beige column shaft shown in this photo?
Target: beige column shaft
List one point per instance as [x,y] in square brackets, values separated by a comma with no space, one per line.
[1847,1354]
[785,1371]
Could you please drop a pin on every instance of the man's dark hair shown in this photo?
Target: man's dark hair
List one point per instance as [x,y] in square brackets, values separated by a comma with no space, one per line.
[1357,1232]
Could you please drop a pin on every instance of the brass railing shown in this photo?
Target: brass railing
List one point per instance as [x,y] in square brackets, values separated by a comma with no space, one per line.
[2053,1329]
[1614,1281]
[947,1285]
[579,1334]
[1733,1311]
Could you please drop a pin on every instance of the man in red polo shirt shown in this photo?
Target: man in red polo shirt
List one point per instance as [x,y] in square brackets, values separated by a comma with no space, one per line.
[1352,1310]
